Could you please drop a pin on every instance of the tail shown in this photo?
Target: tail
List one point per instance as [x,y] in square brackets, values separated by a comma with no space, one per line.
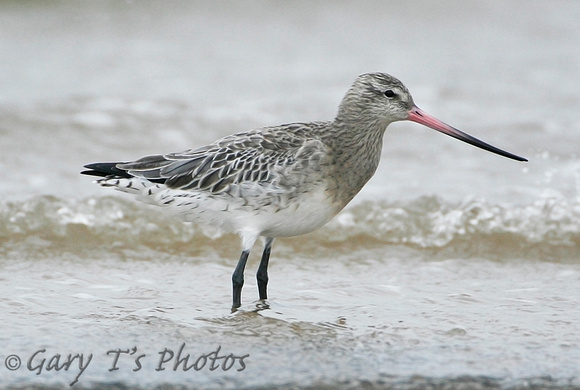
[106,170]
[109,175]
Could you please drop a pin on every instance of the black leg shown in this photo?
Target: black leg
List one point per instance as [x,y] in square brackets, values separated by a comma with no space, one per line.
[238,279]
[262,274]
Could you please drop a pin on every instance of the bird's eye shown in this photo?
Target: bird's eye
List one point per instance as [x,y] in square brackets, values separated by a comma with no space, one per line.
[389,93]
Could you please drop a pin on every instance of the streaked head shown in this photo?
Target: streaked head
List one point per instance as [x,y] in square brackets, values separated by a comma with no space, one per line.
[377,96]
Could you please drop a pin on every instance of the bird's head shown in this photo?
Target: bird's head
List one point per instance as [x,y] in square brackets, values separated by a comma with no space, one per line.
[379,99]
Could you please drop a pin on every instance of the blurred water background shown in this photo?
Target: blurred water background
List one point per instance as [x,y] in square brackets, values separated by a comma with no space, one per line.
[453,268]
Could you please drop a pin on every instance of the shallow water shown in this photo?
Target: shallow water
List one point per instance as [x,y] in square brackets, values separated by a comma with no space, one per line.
[453,268]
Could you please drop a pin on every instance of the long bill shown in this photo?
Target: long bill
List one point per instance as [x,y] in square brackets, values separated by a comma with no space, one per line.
[420,116]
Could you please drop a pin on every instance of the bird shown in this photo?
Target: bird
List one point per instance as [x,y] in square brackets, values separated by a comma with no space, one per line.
[278,181]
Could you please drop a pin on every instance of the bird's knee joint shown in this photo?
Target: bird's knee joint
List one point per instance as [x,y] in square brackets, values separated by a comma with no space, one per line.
[262,276]
[238,280]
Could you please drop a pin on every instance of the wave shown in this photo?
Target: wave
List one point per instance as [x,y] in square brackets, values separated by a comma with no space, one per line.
[546,229]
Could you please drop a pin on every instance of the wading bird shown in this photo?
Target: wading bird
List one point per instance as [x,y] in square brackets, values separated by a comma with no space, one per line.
[278,181]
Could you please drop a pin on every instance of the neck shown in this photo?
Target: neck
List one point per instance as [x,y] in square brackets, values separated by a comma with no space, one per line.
[356,144]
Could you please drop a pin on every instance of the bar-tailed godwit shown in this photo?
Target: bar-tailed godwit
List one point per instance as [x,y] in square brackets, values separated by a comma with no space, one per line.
[278,181]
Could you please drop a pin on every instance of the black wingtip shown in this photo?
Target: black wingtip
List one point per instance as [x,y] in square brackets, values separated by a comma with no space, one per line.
[105,169]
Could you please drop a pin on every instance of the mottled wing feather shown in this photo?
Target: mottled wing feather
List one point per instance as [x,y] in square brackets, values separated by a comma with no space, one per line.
[257,157]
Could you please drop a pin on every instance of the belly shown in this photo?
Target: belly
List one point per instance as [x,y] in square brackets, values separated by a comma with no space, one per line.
[291,216]
[303,216]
